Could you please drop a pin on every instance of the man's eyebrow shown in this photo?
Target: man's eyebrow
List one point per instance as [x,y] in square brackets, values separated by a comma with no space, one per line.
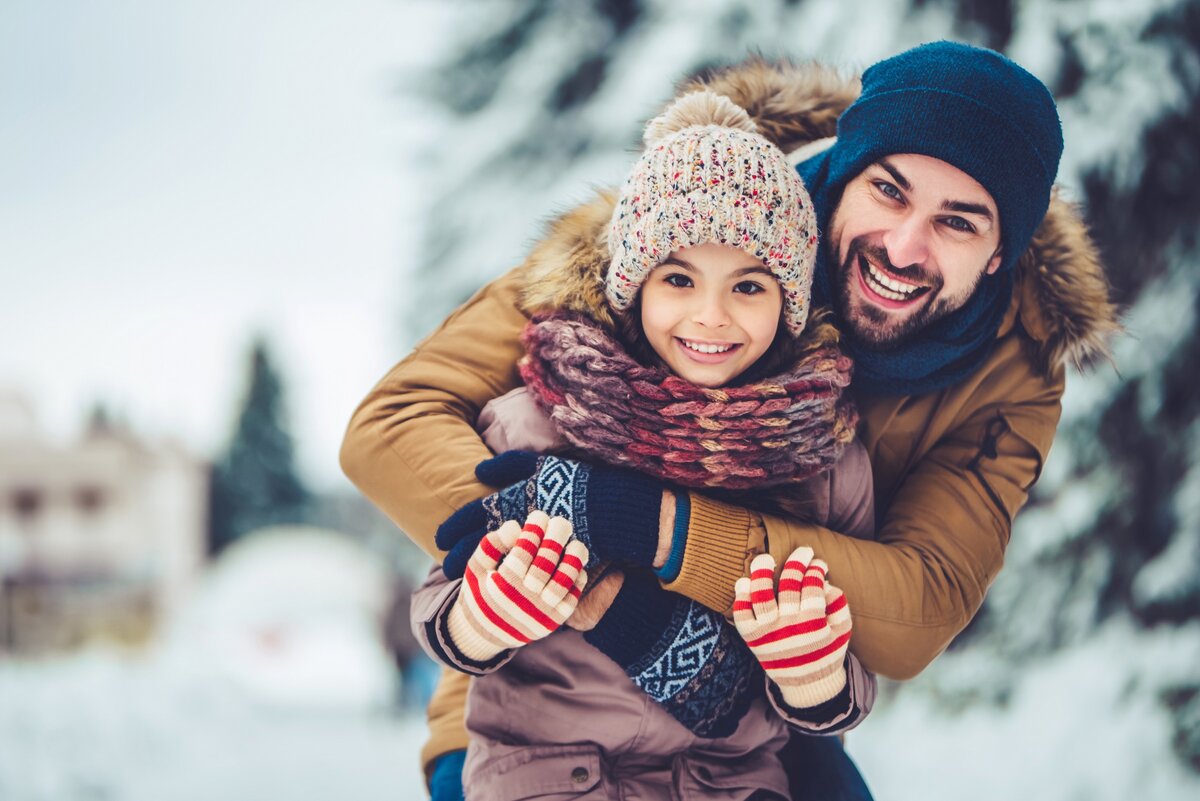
[962,206]
[967,208]
[896,175]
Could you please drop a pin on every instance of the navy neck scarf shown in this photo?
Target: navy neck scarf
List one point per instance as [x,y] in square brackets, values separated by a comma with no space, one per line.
[943,353]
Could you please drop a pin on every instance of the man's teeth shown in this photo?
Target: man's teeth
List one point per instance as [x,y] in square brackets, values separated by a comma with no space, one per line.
[889,287]
[702,348]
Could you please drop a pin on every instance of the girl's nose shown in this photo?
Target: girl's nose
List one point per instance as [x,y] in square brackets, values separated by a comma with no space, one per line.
[710,312]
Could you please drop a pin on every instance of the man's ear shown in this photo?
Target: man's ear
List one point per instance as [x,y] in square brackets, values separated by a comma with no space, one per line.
[994,262]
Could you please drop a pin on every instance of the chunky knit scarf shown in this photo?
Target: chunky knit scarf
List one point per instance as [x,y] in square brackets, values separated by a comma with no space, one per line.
[780,430]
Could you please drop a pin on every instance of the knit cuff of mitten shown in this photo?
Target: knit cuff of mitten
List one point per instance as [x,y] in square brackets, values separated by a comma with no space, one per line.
[465,637]
[815,719]
[811,696]
[622,515]
[683,511]
[714,557]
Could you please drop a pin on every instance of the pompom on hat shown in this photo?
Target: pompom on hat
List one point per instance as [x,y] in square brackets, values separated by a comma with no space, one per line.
[707,175]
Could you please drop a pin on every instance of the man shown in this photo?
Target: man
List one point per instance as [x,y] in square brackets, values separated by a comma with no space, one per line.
[928,203]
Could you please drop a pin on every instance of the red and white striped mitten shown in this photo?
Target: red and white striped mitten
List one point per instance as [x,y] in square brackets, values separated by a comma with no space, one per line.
[520,585]
[801,636]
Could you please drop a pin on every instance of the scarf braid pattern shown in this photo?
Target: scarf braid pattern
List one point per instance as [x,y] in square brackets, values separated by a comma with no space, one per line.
[776,431]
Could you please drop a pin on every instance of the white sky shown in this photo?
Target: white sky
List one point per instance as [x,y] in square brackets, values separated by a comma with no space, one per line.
[176,176]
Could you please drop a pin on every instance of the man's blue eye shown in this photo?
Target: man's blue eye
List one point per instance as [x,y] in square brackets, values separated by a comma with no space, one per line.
[959,224]
[889,189]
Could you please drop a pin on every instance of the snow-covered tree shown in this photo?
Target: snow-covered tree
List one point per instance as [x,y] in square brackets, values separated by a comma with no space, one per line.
[254,483]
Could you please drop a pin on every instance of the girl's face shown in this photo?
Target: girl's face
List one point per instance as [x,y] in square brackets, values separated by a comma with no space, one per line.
[710,312]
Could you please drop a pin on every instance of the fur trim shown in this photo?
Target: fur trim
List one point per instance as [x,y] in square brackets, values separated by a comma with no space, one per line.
[1063,292]
[1065,304]
[566,269]
[792,104]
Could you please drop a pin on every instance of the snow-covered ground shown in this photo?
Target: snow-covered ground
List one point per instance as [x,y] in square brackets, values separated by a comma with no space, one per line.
[272,683]
[1085,724]
[111,726]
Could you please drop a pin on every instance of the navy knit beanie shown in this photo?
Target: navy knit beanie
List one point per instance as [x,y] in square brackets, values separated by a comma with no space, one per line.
[970,107]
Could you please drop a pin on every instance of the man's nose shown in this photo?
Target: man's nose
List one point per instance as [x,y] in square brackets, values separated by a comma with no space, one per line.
[907,243]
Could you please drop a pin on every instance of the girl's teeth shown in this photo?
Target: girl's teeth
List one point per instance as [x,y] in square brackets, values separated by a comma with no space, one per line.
[700,348]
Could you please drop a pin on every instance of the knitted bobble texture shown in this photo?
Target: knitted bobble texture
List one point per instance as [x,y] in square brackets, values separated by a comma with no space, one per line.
[697,109]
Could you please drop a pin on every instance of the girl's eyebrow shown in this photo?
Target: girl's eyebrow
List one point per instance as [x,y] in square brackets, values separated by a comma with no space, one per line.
[754,268]
[678,263]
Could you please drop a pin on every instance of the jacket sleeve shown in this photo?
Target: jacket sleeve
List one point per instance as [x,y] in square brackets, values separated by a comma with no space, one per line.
[429,610]
[447,709]
[839,714]
[411,446]
[941,540]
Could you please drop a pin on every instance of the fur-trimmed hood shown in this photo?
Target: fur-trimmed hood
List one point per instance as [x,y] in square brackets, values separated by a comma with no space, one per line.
[1061,295]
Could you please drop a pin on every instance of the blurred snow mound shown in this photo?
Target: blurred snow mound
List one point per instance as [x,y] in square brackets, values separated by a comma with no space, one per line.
[290,616]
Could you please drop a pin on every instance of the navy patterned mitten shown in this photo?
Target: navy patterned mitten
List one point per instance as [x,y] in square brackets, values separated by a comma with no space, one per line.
[614,511]
[683,655]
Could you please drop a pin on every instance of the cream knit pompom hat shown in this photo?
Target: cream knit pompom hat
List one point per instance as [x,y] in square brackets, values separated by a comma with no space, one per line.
[707,175]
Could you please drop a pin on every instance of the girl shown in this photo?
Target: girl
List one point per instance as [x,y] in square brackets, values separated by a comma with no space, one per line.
[689,354]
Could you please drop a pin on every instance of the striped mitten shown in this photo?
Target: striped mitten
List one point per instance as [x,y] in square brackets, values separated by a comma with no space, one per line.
[520,585]
[801,636]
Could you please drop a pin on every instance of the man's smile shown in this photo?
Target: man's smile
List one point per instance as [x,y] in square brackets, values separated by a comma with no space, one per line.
[884,288]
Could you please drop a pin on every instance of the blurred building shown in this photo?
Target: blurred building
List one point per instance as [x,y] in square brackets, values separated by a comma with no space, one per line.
[97,538]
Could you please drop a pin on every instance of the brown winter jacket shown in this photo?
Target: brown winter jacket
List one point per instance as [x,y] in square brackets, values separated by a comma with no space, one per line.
[951,468]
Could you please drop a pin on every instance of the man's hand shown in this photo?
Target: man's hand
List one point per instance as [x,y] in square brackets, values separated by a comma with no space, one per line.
[596,602]
[615,512]
[520,585]
[800,637]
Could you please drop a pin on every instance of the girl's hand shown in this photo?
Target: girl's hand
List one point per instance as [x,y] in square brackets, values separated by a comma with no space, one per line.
[799,635]
[520,584]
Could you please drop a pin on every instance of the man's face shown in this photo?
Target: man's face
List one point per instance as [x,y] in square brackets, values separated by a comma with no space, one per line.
[913,237]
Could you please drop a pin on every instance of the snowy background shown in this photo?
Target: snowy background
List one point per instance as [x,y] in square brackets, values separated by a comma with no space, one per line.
[177,178]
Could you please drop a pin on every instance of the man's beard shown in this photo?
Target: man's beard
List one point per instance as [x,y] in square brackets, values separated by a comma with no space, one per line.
[874,327]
